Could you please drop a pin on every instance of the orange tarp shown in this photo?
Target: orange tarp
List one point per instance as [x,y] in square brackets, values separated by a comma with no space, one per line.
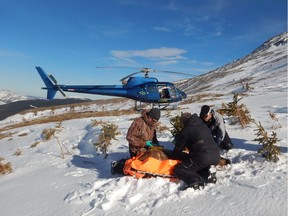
[138,168]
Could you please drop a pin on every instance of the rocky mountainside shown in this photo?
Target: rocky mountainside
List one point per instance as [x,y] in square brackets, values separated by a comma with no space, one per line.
[265,64]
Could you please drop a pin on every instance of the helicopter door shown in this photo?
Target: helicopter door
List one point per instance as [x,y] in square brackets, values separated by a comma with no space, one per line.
[152,92]
[164,91]
[172,91]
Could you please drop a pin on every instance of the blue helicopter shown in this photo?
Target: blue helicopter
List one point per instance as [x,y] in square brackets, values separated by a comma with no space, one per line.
[141,89]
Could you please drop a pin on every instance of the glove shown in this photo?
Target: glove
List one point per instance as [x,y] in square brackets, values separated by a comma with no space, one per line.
[149,143]
[156,144]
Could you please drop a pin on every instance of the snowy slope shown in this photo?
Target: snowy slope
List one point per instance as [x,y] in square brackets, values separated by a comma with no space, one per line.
[7,96]
[265,65]
[44,183]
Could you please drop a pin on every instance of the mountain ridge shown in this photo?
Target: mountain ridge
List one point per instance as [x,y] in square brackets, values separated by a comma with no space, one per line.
[270,56]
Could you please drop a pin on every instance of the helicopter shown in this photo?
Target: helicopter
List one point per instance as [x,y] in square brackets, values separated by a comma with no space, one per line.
[141,89]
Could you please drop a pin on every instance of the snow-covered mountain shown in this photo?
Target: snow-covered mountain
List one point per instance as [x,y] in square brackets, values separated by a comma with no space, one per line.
[7,96]
[265,65]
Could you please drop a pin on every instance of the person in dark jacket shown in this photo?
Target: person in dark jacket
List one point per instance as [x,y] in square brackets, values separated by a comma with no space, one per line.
[142,133]
[203,152]
[216,125]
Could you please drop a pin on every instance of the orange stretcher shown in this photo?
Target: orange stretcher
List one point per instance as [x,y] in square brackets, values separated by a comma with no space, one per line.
[149,167]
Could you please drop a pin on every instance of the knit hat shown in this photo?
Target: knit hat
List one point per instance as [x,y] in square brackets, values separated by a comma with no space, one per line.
[184,117]
[205,110]
[154,113]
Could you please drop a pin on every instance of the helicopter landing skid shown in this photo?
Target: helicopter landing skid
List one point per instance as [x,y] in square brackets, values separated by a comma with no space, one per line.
[166,106]
[141,105]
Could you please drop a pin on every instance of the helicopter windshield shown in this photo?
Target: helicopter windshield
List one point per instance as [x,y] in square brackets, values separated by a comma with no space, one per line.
[167,91]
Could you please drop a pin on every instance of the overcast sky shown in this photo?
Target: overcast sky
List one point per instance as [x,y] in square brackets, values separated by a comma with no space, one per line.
[70,38]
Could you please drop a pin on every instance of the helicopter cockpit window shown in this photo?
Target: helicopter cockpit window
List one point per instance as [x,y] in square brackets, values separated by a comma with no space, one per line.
[164,91]
[173,92]
[151,88]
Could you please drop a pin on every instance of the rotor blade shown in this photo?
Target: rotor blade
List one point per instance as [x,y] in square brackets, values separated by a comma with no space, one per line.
[53,79]
[61,91]
[55,82]
[126,77]
[148,70]
[118,67]
[174,72]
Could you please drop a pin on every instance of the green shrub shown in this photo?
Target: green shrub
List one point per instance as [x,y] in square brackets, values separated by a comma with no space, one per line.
[269,150]
[109,132]
[177,125]
[240,112]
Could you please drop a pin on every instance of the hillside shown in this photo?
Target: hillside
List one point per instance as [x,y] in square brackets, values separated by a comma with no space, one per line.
[7,96]
[265,65]
[15,107]
[65,175]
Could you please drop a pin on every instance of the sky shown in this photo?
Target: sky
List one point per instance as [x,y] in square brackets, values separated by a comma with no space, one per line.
[71,38]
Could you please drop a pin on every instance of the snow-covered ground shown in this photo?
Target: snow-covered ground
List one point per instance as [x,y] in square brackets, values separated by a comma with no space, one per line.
[43,183]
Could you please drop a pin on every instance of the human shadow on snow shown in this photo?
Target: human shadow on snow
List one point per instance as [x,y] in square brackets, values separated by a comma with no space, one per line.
[244,144]
[98,163]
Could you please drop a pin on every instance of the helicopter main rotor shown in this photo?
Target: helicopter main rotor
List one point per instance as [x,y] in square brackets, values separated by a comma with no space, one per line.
[146,72]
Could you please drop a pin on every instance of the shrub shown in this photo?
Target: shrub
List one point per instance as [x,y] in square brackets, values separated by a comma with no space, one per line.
[240,112]
[109,132]
[177,125]
[247,87]
[5,168]
[95,122]
[269,150]
[274,118]
[35,144]
[4,135]
[48,133]
[18,152]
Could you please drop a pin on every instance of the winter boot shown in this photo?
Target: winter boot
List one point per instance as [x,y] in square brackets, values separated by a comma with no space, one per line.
[212,178]
[195,185]
[117,166]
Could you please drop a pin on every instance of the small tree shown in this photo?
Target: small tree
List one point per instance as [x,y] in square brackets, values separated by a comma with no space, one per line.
[269,150]
[47,134]
[274,117]
[240,112]
[177,125]
[109,132]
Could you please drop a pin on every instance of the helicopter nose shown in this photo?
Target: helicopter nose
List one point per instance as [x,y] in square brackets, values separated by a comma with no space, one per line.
[183,94]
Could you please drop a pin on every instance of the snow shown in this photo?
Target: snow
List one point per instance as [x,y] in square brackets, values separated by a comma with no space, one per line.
[44,183]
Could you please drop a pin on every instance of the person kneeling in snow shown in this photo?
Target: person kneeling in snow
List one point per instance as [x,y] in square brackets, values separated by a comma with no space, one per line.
[142,133]
[203,152]
[216,125]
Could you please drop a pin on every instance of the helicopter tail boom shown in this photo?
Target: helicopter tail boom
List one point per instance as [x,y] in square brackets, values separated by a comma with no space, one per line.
[50,87]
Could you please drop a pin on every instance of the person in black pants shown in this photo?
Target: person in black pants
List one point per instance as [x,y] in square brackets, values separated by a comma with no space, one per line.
[216,125]
[203,152]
